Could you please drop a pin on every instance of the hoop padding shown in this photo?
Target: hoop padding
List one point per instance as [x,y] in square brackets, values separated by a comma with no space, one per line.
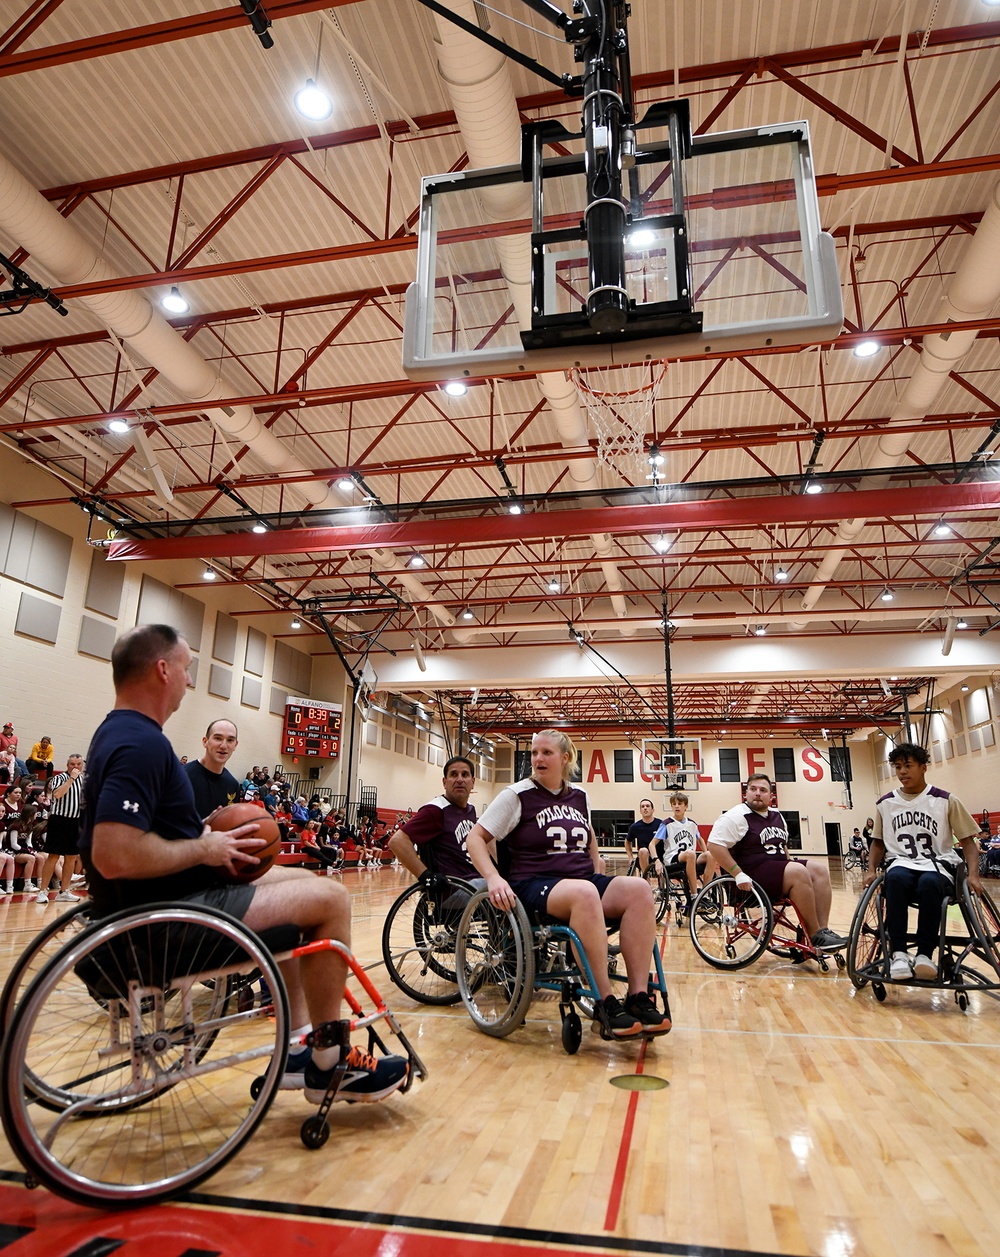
[620,402]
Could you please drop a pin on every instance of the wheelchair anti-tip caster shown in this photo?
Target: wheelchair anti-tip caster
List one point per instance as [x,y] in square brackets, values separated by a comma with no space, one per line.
[315,1132]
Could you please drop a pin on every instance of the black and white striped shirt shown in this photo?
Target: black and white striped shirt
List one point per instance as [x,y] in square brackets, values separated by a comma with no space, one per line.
[70,803]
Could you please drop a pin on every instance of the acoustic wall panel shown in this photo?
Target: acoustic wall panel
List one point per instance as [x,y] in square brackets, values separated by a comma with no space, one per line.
[160,604]
[276,705]
[38,618]
[220,681]
[256,646]
[104,585]
[251,692]
[224,642]
[97,637]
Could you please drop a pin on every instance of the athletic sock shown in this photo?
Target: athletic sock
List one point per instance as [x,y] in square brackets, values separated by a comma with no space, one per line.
[326,1058]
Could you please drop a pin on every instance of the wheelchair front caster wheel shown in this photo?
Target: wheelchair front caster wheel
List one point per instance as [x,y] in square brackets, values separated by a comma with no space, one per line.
[962,1000]
[572,1033]
[315,1132]
[824,965]
[841,962]
[878,990]
[256,1087]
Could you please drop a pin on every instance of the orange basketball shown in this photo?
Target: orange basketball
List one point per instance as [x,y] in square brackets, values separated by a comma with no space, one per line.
[237,814]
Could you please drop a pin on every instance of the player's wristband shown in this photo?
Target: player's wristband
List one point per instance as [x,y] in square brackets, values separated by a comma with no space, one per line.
[733,872]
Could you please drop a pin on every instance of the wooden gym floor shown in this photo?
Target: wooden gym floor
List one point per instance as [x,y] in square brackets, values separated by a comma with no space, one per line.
[801,1117]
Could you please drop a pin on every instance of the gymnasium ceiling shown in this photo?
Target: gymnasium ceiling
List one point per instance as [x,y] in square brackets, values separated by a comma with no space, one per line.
[165,135]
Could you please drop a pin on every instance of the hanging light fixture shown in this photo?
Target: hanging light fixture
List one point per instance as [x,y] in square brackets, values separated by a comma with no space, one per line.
[174,302]
[296,623]
[208,573]
[780,574]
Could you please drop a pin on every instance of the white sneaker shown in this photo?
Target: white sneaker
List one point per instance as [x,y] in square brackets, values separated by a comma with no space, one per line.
[30,888]
[78,877]
[67,896]
[4,891]
[42,897]
[901,970]
[924,969]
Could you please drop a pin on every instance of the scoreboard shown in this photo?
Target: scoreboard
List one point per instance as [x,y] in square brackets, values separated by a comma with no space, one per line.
[312,729]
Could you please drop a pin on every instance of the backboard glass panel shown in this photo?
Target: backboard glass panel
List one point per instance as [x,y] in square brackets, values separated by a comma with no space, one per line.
[762,271]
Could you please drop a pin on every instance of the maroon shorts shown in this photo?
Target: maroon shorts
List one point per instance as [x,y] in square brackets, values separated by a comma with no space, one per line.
[770,875]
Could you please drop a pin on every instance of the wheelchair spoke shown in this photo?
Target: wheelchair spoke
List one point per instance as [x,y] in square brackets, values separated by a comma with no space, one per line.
[730,927]
[418,942]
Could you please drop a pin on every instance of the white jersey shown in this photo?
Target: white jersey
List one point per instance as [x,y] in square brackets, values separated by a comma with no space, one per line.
[919,830]
[677,836]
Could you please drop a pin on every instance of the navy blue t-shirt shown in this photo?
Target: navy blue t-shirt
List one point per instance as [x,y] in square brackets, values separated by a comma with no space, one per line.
[134,778]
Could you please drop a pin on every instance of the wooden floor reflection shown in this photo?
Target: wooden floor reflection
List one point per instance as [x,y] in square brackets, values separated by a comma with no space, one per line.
[801,1117]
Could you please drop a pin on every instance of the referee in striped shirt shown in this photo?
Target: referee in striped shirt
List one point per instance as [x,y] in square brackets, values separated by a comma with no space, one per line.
[63,830]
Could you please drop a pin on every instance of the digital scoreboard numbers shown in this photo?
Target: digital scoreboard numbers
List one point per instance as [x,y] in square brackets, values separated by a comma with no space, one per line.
[312,730]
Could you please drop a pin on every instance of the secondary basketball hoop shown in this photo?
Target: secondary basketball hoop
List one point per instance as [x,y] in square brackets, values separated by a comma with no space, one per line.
[671,763]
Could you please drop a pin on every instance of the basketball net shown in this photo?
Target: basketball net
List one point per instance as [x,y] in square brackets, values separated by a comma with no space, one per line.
[619,402]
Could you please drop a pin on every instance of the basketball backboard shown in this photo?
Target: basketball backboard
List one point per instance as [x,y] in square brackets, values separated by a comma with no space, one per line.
[760,269]
[671,763]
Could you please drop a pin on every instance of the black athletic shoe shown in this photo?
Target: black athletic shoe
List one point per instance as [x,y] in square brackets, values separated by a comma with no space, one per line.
[368,1078]
[642,1006]
[826,940]
[612,1021]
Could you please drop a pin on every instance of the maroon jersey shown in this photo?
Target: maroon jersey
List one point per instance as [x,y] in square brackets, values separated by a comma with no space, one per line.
[547,834]
[445,827]
[752,838]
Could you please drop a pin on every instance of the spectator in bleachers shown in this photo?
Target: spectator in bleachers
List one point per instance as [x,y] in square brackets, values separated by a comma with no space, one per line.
[8,742]
[16,840]
[300,813]
[40,762]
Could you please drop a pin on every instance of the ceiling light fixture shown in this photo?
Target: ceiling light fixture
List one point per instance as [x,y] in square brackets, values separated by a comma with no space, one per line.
[654,457]
[781,574]
[118,425]
[345,484]
[866,349]
[813,487]
[296,623]
[963,623]
[513,508]
[965,689]
[662,544]
[456,388]
[208,574]
[312,102]
[416,559]
[174,302]
[468,614]
[942,529]
[554,586]
[760,630]
[259,526]
[887,595]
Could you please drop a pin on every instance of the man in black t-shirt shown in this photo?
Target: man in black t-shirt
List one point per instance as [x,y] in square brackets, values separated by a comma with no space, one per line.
[213,784]
[641,835]
[144,841]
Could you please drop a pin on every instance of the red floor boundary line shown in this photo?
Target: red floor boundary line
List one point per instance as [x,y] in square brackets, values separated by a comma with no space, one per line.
[618,1181]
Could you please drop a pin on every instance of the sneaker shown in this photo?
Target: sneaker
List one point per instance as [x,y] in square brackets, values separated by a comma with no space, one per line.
[42,897]
[67,896]
[613,1022]
[4,891]
[367,1079]
[826,940]
[924,969]
[78,877]
[640,1005]
[29,888]
[294,1077]
[900,970]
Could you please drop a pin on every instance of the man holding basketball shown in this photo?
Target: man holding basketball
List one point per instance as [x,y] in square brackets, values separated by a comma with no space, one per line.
[144,842]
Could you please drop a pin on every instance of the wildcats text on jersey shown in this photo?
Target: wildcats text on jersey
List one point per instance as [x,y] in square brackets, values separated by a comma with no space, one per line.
[559,812]
[910,818]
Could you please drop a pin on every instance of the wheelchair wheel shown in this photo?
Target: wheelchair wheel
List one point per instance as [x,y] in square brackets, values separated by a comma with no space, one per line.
[418,944]
[128,1027]
[496,965]
[866,959]
[572,1032]
[38,952]
[984,922]
[730,927]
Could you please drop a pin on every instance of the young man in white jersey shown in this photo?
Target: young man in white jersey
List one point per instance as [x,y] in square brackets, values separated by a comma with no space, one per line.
[683,844]
[917,825]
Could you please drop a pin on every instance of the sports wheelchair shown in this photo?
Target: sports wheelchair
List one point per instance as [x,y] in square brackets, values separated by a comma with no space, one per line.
[855,859]
[968,960]
[131,1068]
[418,939]
[732,926]
[669,887]
[502,959]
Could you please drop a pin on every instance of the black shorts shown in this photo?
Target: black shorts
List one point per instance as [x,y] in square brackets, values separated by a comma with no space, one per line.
[234,899]
[61,835]
[533,892]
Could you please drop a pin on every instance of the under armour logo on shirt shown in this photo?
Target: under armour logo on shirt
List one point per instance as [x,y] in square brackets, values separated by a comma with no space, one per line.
[130,807]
